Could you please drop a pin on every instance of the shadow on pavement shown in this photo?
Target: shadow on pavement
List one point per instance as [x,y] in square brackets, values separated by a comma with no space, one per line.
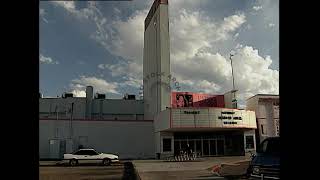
[129,172]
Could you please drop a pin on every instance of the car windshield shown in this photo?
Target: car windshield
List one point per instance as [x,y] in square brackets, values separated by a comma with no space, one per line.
[84,151]
[94,151]
[270,146]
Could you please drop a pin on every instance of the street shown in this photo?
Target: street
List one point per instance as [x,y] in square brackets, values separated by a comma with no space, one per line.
[123,170]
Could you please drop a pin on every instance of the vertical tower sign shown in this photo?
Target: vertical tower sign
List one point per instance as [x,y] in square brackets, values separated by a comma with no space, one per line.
[156,60]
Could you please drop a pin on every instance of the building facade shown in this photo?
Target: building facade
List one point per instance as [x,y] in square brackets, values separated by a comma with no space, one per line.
[267,108]
[209,131]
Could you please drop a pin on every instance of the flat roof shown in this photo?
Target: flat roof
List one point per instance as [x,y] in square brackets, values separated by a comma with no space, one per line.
[264,95]
[120,99]
[60,97]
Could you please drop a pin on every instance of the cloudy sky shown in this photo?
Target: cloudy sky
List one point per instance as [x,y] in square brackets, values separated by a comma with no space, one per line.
[100,43]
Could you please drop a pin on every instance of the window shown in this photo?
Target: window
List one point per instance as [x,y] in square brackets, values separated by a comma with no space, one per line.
[80,152]
[166,144]
[226,112]
[271,146]
[249,142]
[92,152]
[86,152]
[262,130]
[264,146]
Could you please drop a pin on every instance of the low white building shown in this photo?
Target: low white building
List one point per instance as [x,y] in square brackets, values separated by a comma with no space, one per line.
[107,125]
[267,111]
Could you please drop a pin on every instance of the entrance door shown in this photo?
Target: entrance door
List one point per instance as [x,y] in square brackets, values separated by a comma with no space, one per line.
[220,147]
[176,147]
[184,145]
[198,147]
[213,149]
[192,145]
[54,148]
[206,148]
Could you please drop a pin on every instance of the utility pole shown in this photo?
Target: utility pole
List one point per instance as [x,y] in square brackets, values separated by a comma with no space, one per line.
[234,101]
[232,72]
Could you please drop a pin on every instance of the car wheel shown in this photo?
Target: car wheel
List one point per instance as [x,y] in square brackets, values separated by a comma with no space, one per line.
[73,162]
[106,162]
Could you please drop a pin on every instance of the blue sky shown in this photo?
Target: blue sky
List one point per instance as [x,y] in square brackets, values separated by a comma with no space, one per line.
[100,43]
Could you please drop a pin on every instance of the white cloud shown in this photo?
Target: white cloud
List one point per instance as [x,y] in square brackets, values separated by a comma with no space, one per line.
[116,69]
[270,12]
[191,32]
[101,66]
[131,72]
[233,22]
[90,12]
[116,10]
[99,85]
[257,8]
[47,60]
[79,93]
[68,5]
[128,42]
[175,5]
[81,62]
[271,25]
[213,73]
[42,13]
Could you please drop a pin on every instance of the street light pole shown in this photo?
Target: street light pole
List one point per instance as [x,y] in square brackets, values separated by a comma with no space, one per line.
[234,101]
[232,72]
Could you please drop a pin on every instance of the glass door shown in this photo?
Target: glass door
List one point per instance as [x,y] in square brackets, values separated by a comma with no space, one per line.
[176,147]
[220,147]
[213,148]
[192,145]
[198,147]
[205,149]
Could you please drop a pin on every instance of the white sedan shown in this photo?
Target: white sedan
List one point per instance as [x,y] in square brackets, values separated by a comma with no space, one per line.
[90,155]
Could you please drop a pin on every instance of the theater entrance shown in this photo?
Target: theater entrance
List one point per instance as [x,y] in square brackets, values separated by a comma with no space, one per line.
[208,144]
[202,146]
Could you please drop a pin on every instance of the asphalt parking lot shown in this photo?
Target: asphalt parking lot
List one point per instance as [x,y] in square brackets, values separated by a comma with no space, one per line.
[122,170]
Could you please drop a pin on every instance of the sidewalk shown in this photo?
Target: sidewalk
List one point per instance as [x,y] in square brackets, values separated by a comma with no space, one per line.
[158,169]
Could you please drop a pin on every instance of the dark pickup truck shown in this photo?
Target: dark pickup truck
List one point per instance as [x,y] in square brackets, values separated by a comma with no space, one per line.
[266,163]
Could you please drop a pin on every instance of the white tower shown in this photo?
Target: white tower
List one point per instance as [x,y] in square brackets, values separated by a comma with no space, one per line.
[156,60]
